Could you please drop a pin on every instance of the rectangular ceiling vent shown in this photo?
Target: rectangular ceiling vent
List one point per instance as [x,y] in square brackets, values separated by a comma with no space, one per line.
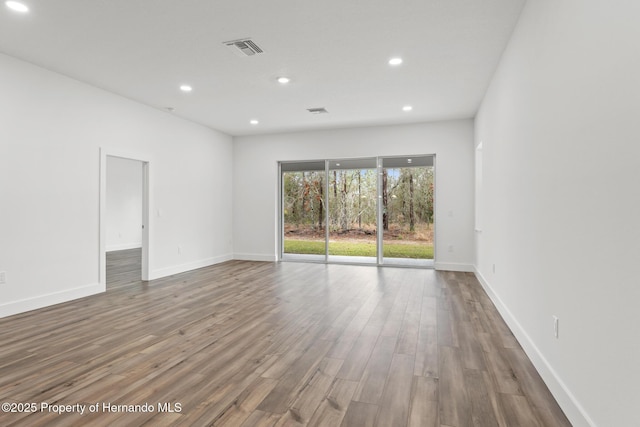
[244,47]
[319,110]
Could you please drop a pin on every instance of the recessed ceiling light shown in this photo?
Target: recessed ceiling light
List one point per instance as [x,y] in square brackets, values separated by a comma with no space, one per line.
[284,80]
[186,88]
[254,122]
[407,108]
[395,61]
[17,6]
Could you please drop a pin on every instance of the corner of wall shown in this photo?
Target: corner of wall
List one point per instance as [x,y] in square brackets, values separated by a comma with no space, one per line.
[567,401]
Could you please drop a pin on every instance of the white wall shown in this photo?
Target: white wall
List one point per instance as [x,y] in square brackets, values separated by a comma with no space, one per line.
[123,204]
[561,203]
[256,180]
[51,131]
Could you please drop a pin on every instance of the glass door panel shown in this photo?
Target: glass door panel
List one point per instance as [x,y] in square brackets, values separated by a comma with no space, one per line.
[352,197]
[303,211]
[407,191]
[367,211]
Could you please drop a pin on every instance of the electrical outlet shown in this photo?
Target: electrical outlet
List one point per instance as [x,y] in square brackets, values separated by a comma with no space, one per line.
[450,248]
[3,277]
[555,326]
[179,249]
[494,268]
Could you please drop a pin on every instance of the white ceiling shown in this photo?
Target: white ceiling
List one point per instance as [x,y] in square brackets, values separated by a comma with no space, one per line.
[334,51]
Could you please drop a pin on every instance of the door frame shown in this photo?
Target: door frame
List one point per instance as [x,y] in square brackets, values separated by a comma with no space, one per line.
[381,208]
[280,256]
[146,255]
[358,160]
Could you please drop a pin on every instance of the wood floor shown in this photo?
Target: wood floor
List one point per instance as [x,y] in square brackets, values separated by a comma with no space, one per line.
[124,267]
[275,344]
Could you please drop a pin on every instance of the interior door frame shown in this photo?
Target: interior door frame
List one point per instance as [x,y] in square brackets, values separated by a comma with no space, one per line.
[146,255]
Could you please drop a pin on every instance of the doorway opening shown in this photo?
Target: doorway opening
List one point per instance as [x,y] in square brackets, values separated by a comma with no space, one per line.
[124,219]
[376,211]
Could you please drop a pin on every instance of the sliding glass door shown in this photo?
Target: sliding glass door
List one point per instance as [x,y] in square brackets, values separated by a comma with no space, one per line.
[407,191]
[365,211]
[352,211]
[303,211]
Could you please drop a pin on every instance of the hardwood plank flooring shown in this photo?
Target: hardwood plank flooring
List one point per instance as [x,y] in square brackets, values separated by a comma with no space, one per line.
[273,344]
[124,267]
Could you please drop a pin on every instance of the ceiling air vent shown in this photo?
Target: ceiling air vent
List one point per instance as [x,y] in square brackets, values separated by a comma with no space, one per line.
[244,47]
[319,110]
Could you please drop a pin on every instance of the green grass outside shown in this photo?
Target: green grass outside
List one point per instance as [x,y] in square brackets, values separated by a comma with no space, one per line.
[391,250]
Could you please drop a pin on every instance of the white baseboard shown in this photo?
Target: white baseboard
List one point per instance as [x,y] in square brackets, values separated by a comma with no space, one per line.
[565,398]
[181,268]
[123,246]
[453,266]
[40,301]
[255,257]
